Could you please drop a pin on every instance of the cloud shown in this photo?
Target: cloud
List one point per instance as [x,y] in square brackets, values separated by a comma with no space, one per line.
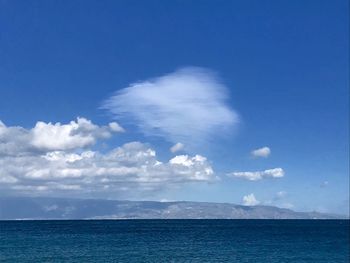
[258,175]
[250,200]
[261,152]
[115,127]
[188,105]
[53,137]
[177,147]
[56,168]
[76,134]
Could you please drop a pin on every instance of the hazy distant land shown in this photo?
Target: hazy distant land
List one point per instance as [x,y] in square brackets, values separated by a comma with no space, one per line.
[65,208]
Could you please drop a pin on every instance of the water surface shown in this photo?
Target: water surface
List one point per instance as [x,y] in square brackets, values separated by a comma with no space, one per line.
[175,241]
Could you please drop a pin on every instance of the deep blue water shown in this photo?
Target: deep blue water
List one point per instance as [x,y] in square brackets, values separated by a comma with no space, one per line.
[175,241]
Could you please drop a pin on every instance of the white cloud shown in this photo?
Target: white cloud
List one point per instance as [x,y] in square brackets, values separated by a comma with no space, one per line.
[14,140]
[182,160]
[76,134]
[198,165]
[53,137]
[177,147]
[261,152]
[258,175]
[250,200]
[188,105]
[54,168]
[115,127]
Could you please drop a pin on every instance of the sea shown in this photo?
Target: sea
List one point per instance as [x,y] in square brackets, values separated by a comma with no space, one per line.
[200,240]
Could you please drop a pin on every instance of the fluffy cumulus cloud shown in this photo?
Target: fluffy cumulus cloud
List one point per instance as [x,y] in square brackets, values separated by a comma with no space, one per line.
[44,137]
[188,105]
[250,200]
[76,134]
[261,152]
[177,147]
[55,159]
[258,175]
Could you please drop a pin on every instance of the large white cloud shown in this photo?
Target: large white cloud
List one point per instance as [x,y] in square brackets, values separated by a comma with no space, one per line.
[63,163]
[76,134]
[43,136]
[188,105]
[258,175]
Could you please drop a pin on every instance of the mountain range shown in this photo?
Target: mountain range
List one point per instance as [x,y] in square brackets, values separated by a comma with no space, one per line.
[36,208]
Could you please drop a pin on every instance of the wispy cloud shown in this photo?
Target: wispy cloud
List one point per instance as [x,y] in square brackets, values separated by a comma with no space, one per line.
[261,152]
[258,175]
[188,105]
[177,147]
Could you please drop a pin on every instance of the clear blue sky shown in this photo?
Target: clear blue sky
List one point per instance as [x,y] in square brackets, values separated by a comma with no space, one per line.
[285,65]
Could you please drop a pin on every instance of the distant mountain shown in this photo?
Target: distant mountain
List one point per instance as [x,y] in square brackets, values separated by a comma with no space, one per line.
[64,208]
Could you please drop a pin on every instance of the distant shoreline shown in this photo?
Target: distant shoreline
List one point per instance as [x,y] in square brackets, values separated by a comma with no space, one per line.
[41,208]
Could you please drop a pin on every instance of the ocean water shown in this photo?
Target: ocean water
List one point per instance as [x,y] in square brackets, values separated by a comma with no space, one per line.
[175,241]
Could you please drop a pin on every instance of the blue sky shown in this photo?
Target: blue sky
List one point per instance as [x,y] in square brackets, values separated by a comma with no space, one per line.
[282,67]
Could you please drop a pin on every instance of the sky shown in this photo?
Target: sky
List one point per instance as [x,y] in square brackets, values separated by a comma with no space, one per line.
[244,102]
